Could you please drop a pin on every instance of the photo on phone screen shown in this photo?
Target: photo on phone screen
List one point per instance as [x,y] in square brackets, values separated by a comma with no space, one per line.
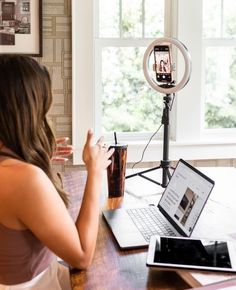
[162,65]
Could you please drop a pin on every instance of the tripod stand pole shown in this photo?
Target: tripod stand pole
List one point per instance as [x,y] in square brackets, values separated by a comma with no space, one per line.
[165,163]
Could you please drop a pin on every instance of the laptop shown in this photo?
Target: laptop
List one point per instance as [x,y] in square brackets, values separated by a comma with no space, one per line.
[176,214]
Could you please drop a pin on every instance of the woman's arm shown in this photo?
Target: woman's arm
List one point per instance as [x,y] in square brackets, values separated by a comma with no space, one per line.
[87,221]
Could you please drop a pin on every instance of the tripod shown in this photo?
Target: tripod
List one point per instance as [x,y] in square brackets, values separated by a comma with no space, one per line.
[165,163]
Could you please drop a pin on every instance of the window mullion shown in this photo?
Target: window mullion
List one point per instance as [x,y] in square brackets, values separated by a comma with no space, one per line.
[120,19]
[96,22]
[143,19]
[221,18]
[219,42]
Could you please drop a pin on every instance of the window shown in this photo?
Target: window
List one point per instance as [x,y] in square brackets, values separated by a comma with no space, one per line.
[219,48]
[109,89]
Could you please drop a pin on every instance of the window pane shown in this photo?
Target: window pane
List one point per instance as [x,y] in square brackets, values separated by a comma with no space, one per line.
[128,104]
[212,20]
[154,18]
[109,18]
[132,18]
[219,19]
[220,87]
[229,18]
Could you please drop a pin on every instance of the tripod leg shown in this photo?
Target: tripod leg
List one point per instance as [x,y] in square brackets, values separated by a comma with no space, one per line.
[168,173]
[140,173]
[164,177]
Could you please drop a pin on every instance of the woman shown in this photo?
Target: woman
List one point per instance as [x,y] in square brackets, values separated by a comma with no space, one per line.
[34,221]
[162,67]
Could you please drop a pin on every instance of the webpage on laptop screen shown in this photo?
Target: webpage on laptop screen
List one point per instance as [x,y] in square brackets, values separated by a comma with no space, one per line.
[185,196]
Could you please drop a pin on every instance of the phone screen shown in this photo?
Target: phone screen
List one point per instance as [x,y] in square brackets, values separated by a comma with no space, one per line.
[193,252]
[162,63]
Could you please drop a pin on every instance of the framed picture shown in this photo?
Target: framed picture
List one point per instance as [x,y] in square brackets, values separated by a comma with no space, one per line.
[21,27]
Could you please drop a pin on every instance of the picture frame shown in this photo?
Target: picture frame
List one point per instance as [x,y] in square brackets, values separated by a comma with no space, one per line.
[21,27]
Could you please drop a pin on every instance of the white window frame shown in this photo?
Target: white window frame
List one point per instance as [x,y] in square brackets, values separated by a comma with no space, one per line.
[188,141]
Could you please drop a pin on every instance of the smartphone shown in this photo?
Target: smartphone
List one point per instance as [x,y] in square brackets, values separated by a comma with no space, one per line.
[201,254]
[162,65]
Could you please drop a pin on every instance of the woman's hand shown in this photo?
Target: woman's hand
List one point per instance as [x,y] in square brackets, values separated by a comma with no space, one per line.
[96,157]
[62,150]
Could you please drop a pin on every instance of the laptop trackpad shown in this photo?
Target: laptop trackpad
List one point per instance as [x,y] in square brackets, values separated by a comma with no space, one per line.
[124,230]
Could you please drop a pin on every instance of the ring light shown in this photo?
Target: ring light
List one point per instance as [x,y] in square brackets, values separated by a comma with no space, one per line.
[168,88]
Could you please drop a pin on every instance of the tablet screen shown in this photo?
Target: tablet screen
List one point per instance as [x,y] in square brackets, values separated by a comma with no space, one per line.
[193,252]
[217,255]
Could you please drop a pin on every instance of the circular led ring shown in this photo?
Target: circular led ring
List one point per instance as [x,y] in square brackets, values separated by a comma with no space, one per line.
[187,60]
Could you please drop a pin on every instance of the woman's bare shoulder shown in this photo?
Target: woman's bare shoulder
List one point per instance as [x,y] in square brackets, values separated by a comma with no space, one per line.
[22,186]
[20,177]
[19,169]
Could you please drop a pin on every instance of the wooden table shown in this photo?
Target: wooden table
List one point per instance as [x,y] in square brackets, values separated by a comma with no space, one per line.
[115,269]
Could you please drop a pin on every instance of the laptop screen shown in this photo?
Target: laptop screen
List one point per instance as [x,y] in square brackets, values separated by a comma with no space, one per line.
[185,196]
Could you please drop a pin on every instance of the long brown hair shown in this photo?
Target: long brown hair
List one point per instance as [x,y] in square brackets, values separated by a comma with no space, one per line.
[25,98]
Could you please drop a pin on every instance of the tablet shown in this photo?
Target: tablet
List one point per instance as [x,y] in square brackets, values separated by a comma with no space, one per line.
[200,254]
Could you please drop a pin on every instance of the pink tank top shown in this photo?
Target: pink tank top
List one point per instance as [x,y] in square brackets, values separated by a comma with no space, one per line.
[22,256]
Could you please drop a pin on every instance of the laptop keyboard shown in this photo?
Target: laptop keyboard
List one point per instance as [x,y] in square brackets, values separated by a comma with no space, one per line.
[149,222]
